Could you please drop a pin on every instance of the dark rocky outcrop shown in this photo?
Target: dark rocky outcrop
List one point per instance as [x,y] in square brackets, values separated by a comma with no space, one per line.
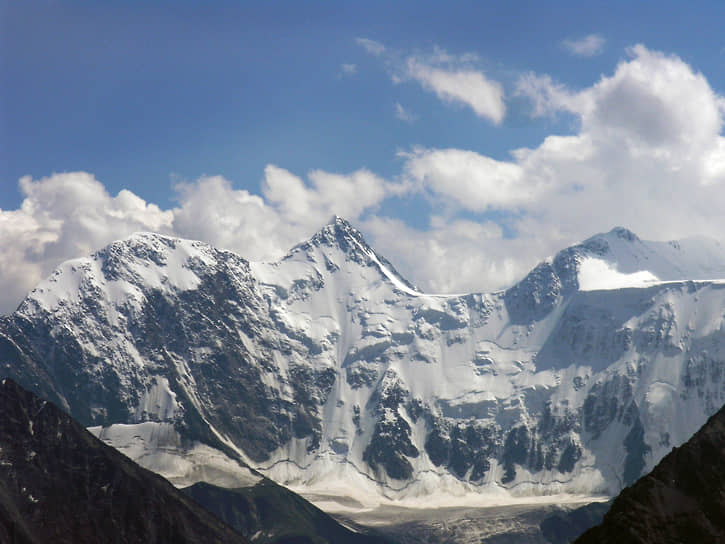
[681,500]
[390,446]
[60,484]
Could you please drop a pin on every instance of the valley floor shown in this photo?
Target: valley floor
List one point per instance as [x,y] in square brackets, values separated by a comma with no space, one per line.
[499,524]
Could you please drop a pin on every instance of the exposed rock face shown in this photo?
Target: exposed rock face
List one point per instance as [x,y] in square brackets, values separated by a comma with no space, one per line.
[681,500]
[327,366]
[60,484]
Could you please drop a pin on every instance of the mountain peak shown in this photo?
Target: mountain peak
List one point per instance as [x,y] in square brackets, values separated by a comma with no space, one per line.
[538,293]
[340,239]
[341,225]
[337,233]
[624,234]
[601,243]
[612,260]
[337,220]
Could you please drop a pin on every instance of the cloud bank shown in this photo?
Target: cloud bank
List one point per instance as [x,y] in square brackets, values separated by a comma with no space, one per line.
[647,153]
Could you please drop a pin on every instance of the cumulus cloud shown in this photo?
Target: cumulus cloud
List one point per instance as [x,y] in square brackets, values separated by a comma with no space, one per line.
[210,209]
[472,181]
[453,255]
[588,46]
[454,79]
[647,153]
[330,194]
[63,216]
[651,100]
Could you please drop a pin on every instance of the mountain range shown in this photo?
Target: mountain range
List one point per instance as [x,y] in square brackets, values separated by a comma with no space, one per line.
[329,372]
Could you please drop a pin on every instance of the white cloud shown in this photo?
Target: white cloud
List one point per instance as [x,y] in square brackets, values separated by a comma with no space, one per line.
[403,114]
[345,195]
[453,79]
[371,46]
[653,101]
[63,216]
[453,256]
[210,209]
[648,153]
[462,86]
[588,46]
[547,97]
[348,69]
[470,180]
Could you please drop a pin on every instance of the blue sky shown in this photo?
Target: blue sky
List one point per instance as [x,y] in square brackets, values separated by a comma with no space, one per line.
[145,96]
[137,92]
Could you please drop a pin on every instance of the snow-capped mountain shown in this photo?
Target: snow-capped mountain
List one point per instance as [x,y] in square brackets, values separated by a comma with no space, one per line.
[327,370]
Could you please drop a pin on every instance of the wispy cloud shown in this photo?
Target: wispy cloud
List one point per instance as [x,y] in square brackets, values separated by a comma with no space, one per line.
[454,79]
[460,85]
[403,114]
[348,69]
[588,46]
[547,96]
[371,46]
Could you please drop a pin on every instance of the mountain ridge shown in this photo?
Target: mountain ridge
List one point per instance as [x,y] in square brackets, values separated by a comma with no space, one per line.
[320,368]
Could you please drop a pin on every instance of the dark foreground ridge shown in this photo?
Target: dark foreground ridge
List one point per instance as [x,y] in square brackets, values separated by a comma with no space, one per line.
[59,484]
[681,500]
[275,515]
[563,527]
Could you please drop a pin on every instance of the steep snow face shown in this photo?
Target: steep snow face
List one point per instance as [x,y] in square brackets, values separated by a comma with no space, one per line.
[595,274]
[619,259]
[688,259]
[329,372]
